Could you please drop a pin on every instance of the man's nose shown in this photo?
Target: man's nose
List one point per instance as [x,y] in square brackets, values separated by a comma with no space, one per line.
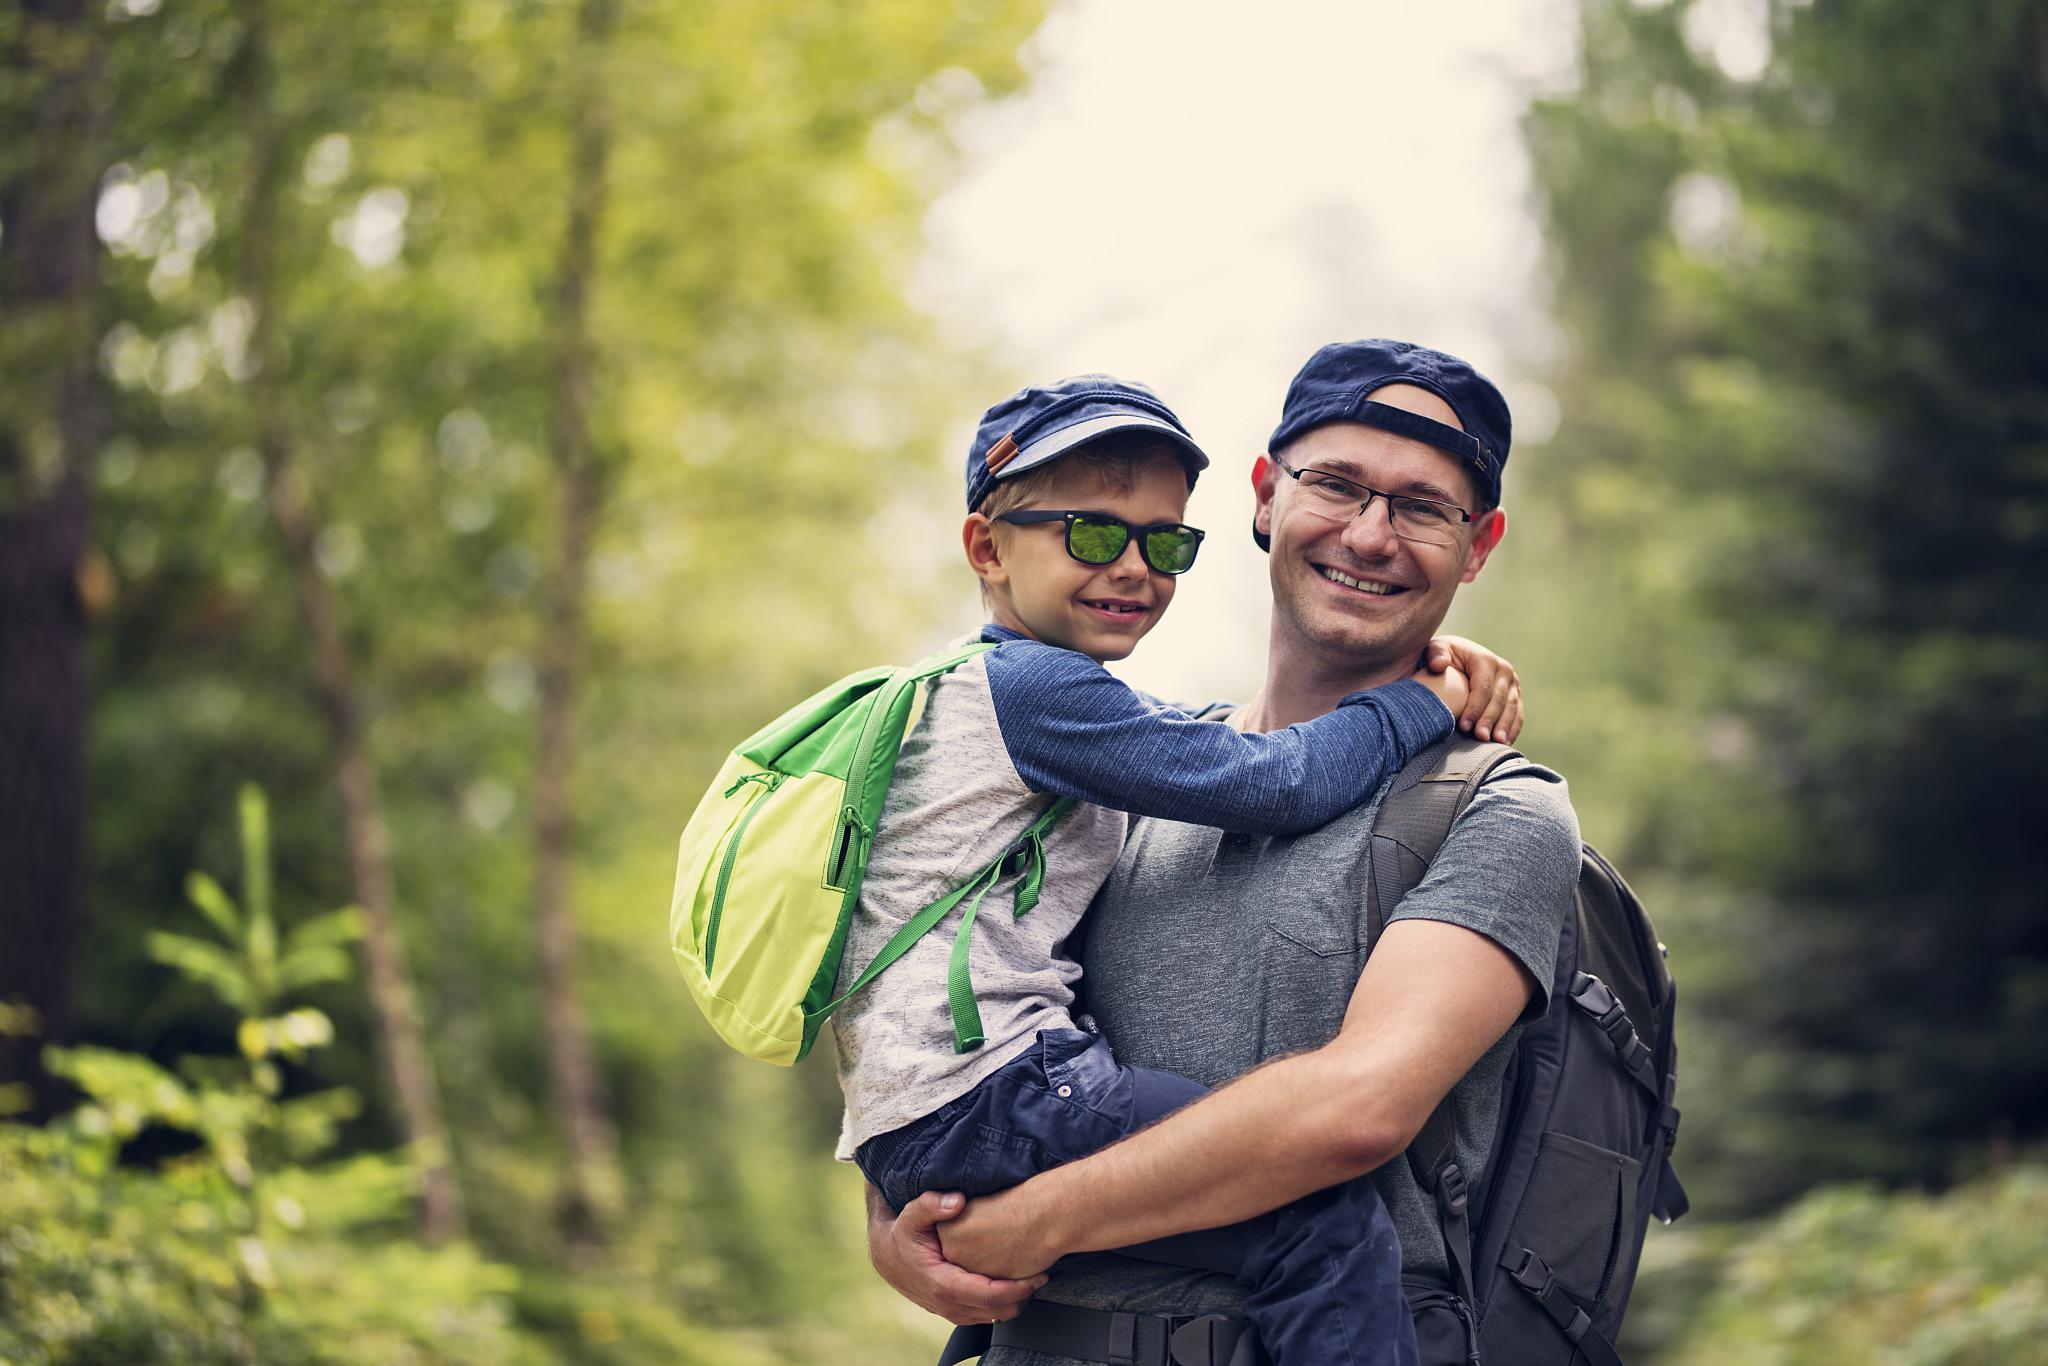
[1370,534]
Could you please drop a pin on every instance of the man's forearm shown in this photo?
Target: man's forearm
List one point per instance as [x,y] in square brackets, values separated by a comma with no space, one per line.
[1433,998]
[1274,1135]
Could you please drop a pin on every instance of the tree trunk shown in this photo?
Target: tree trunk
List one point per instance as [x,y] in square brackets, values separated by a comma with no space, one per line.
[51,421]
[393,1003]
[592,1191]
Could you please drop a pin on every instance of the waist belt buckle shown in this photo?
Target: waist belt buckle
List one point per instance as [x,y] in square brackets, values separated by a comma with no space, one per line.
[1198,1339]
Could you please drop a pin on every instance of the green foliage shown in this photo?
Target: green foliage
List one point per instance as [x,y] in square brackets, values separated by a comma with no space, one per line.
[1799,495]
[1850,1274]
[247,1247]
[760,385]
[249,972]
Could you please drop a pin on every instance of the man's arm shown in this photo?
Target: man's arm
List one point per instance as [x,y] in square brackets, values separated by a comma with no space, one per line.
[1432,999]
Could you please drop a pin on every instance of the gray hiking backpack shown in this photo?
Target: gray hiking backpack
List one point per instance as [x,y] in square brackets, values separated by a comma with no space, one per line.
[1543,1252]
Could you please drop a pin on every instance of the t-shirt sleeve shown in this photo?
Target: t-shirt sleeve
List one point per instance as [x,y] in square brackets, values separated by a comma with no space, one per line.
[1507,871]
[1074,730]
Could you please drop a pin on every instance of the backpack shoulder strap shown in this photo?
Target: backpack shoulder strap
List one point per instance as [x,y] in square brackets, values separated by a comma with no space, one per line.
[1409,829]
[945,661]
[1416,818]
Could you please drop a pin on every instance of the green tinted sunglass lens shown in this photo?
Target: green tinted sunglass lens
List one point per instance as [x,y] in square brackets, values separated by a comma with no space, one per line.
[1172,551]
[1093,541]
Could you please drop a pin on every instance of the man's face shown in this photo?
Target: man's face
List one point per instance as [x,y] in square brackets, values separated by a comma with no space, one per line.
[1353,589]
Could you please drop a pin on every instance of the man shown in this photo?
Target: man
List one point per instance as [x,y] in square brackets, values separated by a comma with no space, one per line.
[1211,953]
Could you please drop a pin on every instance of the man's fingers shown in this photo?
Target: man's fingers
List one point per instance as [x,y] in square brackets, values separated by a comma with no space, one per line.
[932,1209]
[964,1297]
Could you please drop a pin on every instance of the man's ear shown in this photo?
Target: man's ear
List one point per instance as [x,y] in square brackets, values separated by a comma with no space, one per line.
[1487,531]
[1265,480]
[984,557]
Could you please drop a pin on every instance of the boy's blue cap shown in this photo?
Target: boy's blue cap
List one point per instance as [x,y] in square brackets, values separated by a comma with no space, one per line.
[1333,386]
[1044,422]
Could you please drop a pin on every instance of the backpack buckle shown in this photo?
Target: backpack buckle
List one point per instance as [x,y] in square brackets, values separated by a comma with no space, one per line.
[1198,1339]
[1451,1191]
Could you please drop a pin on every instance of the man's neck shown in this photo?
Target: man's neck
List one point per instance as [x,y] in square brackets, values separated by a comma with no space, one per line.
[1304,682]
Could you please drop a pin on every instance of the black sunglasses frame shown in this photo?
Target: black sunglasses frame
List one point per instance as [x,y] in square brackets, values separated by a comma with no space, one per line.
[1034,517]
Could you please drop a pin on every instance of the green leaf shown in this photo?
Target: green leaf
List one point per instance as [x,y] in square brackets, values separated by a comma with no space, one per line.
[213,903]
[210,965]
[333,929]
[255,813]
[305,967]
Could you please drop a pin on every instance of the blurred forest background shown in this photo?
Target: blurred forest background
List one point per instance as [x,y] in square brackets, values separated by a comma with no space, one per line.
[431,433]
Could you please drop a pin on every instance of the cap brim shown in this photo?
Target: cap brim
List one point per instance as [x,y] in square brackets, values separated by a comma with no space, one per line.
[1055,444]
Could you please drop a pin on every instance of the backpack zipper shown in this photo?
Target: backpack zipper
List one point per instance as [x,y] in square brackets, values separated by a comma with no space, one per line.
[1513,1107]
[852,826]
[770,781]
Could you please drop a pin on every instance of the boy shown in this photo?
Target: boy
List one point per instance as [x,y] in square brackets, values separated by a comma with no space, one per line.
[1075,493]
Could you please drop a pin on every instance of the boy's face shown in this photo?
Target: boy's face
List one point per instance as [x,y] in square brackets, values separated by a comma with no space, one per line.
[1037,588]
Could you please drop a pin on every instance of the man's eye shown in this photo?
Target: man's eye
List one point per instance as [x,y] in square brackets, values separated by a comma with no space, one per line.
[1420,510]
[1326,483]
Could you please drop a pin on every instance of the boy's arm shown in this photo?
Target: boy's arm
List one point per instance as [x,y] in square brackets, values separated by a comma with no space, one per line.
[1073,729]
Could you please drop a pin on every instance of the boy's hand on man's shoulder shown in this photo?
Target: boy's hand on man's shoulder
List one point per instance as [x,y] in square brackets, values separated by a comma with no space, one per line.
[1491,707]
[1450,686]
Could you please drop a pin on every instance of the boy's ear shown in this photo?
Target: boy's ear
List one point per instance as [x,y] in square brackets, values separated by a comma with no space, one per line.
[978,538]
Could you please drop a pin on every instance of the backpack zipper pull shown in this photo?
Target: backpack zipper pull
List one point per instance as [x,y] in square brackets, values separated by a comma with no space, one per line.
[770,778]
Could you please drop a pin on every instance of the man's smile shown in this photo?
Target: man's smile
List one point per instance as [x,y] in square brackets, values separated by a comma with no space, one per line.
[1373,587]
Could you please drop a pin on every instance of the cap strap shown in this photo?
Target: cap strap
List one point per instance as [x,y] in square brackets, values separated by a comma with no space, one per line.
[1002,453]
[1401,422]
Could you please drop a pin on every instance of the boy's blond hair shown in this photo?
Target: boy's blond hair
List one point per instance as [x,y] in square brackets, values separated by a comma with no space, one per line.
[1115,459]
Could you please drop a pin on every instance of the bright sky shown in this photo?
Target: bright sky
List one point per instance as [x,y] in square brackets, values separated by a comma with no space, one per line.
[1198,195]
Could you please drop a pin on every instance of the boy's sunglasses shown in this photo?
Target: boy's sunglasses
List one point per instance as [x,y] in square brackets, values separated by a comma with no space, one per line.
[1098,538]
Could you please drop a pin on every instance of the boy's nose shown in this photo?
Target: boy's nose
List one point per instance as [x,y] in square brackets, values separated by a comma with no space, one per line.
[1131,564]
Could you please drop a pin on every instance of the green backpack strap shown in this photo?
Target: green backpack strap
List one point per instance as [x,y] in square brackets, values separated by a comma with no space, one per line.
[1027,858]
[1407,832]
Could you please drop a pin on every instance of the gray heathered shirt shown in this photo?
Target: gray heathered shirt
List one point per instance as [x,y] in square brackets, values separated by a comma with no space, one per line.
[1208,953]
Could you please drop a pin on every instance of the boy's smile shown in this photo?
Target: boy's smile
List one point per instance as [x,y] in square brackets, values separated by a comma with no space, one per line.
[1037,588]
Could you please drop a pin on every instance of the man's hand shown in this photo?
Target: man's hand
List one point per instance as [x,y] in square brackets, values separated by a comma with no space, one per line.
[1492,708]
[906,1253]
[996,1238]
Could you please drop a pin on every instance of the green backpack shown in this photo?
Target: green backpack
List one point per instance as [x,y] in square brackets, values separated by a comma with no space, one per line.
[771,864]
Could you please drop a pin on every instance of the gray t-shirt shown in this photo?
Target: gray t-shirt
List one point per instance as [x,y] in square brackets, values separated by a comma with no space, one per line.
[1207,953]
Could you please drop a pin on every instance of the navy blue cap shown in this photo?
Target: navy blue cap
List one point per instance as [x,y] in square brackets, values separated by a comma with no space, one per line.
[1334,384]
[1044,422]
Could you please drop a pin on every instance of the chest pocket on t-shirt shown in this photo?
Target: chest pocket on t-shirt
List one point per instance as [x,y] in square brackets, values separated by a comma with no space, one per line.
[1309,956]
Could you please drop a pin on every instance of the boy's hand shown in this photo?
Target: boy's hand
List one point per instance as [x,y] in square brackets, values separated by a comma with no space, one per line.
[1492,706]
[1450,685]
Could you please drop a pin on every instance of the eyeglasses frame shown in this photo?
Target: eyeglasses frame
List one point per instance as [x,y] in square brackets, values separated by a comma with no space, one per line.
[1465,517]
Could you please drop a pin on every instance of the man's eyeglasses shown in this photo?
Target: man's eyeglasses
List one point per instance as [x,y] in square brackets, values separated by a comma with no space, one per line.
[1098,538]
[1339,499]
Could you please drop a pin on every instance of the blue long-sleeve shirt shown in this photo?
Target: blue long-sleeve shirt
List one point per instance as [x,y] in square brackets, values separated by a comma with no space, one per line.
[1073,729]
